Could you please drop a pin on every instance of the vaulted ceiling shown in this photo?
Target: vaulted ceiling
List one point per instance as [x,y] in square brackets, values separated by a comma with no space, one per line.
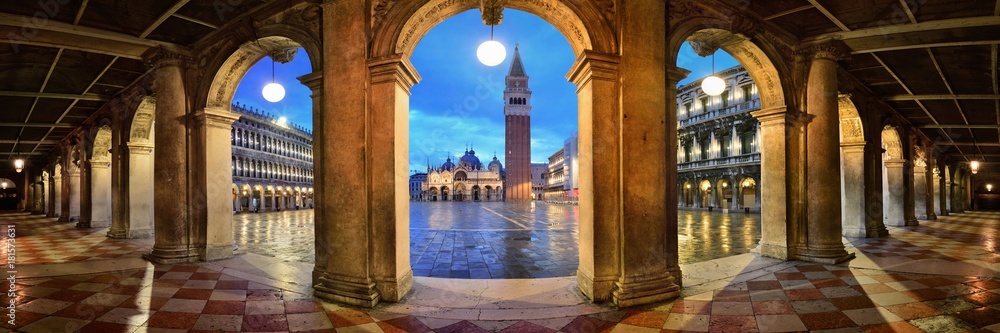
[933,61]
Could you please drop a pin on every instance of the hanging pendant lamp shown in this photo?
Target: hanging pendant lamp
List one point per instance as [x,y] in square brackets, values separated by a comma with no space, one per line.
[491,52]
[273,92]
[713,85]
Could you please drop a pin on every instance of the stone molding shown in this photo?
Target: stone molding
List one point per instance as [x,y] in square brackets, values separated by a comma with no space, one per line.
[592,65]
[393,69]
[168,57]
[216,117]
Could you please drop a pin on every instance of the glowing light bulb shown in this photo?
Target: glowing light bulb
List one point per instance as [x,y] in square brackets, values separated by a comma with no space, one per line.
[273,92]
[974,165]
[18,165]
[713,85]
[491,53]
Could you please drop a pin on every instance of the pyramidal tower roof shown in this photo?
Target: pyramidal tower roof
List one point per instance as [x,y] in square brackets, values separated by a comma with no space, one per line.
[516,67]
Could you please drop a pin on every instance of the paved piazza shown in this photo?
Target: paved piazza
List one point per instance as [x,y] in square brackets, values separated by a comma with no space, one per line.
[492,240]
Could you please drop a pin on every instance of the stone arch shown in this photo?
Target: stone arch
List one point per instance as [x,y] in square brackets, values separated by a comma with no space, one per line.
[101,149]
[232,56]
[893,178]
[755,49]
[400,25]
[891,143]
[141,130]
[851,127]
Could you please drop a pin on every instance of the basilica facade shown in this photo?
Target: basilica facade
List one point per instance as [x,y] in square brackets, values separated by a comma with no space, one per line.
[469,180]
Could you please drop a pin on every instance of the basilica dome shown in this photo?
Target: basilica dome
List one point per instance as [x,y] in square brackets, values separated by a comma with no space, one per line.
[470,161]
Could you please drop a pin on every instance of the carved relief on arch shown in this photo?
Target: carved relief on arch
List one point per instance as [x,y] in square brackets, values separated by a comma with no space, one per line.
[919,156]
[401,24]
[142,122]
[102,145]
[893,146]
[851,129]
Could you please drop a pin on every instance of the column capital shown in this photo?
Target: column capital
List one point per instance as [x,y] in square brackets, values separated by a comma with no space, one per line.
[775,116]
[676,74]
[216,117]
[313,80]
[828,50]
[99,164]
[139,148]
[593,65]
[166,57]
[394,68]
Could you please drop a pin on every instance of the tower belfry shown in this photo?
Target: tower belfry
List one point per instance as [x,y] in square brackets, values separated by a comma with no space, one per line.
[517,112]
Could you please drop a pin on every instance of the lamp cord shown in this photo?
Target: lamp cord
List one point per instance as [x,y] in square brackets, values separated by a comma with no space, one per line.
[491,32]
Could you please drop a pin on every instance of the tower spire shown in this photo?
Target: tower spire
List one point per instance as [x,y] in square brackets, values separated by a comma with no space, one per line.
[516,67]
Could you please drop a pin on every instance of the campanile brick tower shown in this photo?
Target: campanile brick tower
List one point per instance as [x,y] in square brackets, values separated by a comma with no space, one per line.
[517,109]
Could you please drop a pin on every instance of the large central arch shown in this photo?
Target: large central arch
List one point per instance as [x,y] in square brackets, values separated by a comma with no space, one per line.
[624,223]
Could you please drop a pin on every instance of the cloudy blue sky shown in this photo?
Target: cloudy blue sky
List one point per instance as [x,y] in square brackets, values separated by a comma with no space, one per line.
[460,101]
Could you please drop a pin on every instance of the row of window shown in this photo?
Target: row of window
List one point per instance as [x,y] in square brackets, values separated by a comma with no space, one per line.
[747,146]
[270,170]
[724,101]
[265,143]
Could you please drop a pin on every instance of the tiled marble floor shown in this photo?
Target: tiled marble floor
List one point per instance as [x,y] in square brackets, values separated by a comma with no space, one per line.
[937,277]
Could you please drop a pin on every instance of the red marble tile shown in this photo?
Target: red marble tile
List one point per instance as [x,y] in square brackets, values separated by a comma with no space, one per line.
[983,298]
[205,276]
[184,268]
[526,327]
[83,311]
[772,307]
[843,273]
[263,294]
[985,284]
[123,290]
[168,283]
[826,320]
[789,276]
[731,296]
[692,307]
[177,320]
[59,283]
[763,285]
[645,318]
[852,303]
[826,283]
[913,310]
[302,306]
[265,323]
[104,327]
[885,278]
[232,284]
[344,318]
[108,278]
[811,268]
[186,293]
[585,324]
[154,303]
[940,282]
[736,324]
[926,294]
[894,327]
[224,307]
[980,317]
[804,294]
[23,318]
[461,327]
[408,324]
[70,295]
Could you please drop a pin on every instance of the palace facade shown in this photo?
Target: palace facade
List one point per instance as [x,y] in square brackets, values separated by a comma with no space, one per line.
[718,159]
[272,163]
[468,180]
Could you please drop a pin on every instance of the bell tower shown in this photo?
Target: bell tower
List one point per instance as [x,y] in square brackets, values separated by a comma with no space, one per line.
[517,111]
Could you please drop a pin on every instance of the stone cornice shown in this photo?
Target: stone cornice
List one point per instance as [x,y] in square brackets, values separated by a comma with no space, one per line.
[394,68]
[593,65]
[167,57]
[216,117]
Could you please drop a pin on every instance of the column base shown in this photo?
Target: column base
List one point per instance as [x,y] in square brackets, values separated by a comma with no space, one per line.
[910,222]
[676,273]
[931,217]
[130,234]
[395,290]
[170,256]
[943,214]
[217,252]
[645,290]
[63,219]
[597,291]
[773,251]
[826,258]
[339,290]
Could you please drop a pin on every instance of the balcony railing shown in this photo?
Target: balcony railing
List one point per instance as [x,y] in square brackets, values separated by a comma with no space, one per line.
[753,158]
[716,113]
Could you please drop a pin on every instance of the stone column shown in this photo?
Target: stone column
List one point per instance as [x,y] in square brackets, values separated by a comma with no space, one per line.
[920,190]
[894,193]
[940,193]
[909,217]
[57,197]
[823,210]
[315,83]
[139,219]
[86,204]
[212,220]
[38,196]
[72,197]
[341,168]
[853,184]
[674,75]
[171,184]
[777,165]
[47,193]
[391,80]
[100,195]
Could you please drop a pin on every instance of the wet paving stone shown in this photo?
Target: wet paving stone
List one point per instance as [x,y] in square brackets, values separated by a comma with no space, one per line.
[495,240]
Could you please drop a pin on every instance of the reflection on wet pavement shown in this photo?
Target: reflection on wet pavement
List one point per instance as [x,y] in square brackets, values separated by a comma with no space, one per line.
[495,239]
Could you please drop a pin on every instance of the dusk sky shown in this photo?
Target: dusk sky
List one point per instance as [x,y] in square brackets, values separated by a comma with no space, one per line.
[460,101]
